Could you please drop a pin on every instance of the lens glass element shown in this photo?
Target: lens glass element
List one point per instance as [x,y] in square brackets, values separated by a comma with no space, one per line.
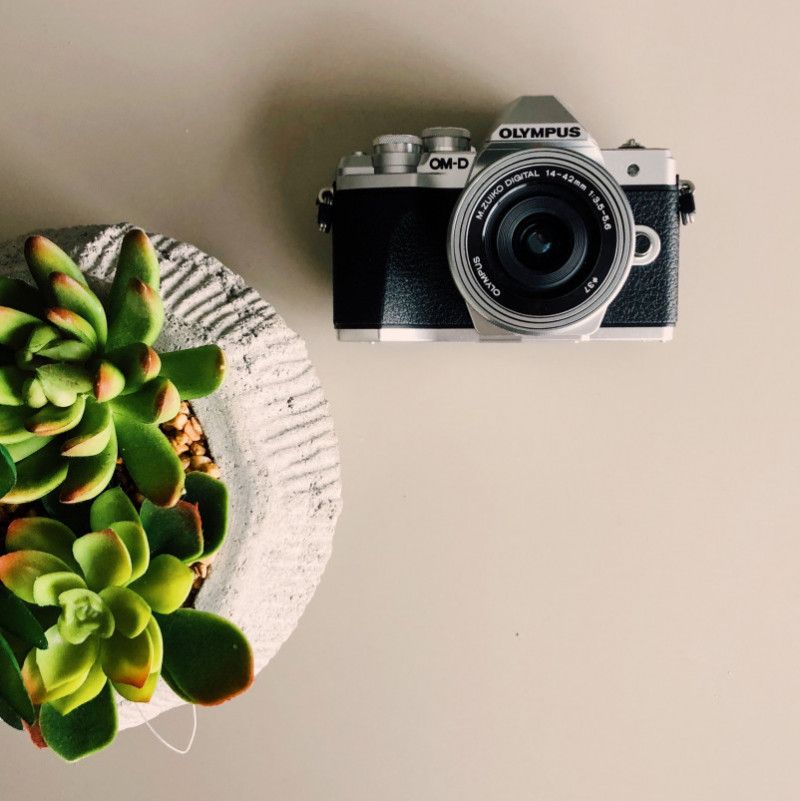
[539,240]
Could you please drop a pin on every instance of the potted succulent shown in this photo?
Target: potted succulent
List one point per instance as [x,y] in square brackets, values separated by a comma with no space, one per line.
[110,504]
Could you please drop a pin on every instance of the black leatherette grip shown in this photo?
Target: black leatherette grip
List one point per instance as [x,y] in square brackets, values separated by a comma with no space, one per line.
[650,295]
[390,260]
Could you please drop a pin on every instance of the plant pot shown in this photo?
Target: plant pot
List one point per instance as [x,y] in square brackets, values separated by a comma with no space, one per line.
[269,430]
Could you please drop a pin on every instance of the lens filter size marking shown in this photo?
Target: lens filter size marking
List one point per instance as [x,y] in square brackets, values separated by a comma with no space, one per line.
[592,285]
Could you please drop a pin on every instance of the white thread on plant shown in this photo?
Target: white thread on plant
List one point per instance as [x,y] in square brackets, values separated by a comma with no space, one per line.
[181,751]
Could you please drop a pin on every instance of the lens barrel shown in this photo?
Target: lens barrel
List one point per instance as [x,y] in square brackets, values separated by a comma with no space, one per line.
[541,239]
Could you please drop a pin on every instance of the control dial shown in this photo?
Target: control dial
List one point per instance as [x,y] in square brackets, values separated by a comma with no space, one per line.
[446,140]
[395,153]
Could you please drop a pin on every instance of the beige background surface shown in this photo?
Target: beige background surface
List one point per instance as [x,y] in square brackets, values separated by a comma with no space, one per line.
[562,572]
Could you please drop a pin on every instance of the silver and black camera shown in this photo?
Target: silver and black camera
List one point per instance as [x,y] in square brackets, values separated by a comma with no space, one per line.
[540,233]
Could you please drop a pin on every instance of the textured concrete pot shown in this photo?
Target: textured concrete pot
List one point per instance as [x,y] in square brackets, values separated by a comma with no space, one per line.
[268,427]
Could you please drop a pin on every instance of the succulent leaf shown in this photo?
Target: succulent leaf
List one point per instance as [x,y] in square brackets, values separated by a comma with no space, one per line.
[20,569]
[211,497]
[66,350]
[111,507]
[12,386]
[12,424]
[139,319]
[104,559]
[207,660]
[156,402]
[32,678]
[68,687]
[93,432]
[8,470]
[108,381]
[12,689]
[48,588]
[44,258]
[145,693]
[127,660]
[52,420]
[41,534]
[37,475]
[131,613]
[88,476]
[19,295]
[140,695]
[196,372]
[92,686]
[157,641]
[64,666]
[34,393]
[151,461]
[9,716]
[165,585]
[77,297]
[138,362]
[74,378]
[137,259]
[73,324]
[175,530]
[17,619]
[135,540]
[60,386]
[83,615]
[16,326]
[41,336]
[85,730]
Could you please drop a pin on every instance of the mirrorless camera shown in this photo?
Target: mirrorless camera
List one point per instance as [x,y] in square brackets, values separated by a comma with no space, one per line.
[539,234]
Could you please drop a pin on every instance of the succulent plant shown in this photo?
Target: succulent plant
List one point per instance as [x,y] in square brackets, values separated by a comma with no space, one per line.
[115,595]
[80,382]
[19,632]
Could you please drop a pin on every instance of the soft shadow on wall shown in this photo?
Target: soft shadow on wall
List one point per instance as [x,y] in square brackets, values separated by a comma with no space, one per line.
[325,103]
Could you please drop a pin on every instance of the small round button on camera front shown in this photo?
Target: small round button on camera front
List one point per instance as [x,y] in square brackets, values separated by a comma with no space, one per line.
[396,153]
[446,139]
[647,246]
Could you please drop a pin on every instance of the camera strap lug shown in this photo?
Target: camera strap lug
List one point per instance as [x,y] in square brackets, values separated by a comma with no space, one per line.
[325,209]
[686,204]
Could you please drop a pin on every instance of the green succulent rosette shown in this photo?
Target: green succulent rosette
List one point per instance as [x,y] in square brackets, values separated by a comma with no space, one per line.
[80,383]
[115,599]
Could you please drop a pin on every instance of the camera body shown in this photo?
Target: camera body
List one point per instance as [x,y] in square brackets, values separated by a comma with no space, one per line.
[540,234]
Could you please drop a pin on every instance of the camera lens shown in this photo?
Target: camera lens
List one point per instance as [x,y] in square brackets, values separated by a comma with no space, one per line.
[540,241]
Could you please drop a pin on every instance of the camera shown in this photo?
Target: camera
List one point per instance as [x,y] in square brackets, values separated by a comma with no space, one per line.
[537,234]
